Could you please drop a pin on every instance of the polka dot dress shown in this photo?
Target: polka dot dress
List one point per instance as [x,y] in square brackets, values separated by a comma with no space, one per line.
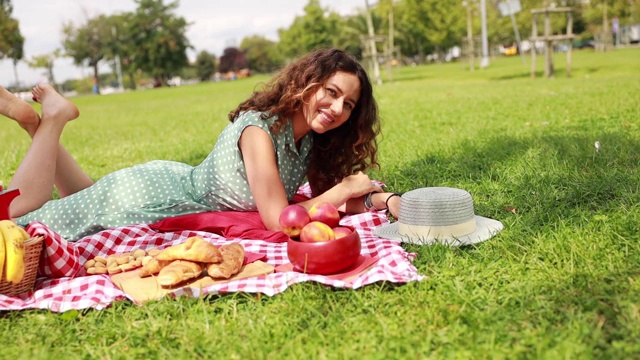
[156,190]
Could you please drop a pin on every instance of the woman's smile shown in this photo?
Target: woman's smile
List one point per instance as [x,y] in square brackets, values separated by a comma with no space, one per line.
[330,106]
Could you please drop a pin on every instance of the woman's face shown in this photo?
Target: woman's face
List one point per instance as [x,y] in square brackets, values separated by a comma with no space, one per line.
[332,103]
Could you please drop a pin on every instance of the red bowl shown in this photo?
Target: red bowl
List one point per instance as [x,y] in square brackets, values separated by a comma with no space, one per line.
[324,258]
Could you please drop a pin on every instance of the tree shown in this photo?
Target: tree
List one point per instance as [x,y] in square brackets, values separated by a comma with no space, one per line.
[413,20]
[87,44]
[120,50]
[11,40]
[311,31]
[205,65]
[46,61]
[598,14]
[434,25]
[158,39]
[446,25]
[232,59]
[351,28]
[262,54]
[119,47]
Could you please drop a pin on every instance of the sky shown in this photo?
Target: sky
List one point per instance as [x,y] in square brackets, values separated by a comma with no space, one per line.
[215,25]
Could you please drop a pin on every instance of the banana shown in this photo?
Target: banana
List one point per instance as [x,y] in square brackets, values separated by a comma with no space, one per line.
[14,249]
[2,255]
[25,236]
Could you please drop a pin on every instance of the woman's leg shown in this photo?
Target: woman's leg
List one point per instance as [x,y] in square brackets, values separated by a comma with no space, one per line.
[36,175]
[69,178]
[15,108]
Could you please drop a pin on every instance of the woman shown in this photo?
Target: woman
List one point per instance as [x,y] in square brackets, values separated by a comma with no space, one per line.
[316,119]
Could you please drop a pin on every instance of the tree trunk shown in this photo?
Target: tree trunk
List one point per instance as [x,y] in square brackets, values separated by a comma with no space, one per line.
[132,79]
[52,80]
[15,73]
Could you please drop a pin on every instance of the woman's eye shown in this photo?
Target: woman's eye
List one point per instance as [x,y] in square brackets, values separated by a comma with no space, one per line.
[331,91]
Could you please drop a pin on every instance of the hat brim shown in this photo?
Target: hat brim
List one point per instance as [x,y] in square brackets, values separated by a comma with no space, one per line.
[485,229]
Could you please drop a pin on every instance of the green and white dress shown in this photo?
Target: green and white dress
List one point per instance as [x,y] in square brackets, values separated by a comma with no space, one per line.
[156,190]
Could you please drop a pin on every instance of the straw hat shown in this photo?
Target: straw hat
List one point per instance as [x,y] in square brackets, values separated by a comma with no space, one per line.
[439,215]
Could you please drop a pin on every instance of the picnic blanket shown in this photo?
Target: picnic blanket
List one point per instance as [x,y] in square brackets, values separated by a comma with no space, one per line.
[63,284]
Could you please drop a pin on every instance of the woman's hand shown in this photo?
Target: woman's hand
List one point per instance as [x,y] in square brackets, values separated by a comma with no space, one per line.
[359,184]
[348,194]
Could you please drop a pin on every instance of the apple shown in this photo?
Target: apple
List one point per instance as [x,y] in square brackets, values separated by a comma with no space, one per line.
[341,231]
[292,219]
[326,213]
[316,231]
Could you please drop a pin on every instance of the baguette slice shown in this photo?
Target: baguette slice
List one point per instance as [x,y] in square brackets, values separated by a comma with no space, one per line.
[195,249]
[179,271]
[232,259]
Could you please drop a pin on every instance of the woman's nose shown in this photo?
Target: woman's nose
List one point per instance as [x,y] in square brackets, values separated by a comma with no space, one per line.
[337,106]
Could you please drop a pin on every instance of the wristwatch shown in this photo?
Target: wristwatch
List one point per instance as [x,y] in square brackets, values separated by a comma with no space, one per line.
[368,203]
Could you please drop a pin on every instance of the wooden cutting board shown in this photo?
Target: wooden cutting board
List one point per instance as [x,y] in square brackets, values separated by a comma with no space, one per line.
[144,289]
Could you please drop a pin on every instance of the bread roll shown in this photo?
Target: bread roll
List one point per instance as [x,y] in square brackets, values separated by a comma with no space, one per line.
[152,267]
[195,249]
[232,259]
[179,271]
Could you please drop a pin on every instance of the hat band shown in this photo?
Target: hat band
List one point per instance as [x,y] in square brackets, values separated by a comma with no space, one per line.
[437,232]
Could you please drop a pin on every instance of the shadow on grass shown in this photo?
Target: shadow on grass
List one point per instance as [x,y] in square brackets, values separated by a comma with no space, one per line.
[409,78]
[545,178]
[559,71]
[520,75]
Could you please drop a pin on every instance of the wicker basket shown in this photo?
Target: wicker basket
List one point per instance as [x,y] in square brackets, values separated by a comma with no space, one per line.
[32,250]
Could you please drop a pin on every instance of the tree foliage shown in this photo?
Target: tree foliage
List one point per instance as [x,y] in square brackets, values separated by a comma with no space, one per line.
[205,65]
[313,30]
[46,61]
[88,43]
[413,25]
[11,40]
[158,39]
[232,59]
[151,41]
[263,55]
[628,12]
[352,28]
[121,47]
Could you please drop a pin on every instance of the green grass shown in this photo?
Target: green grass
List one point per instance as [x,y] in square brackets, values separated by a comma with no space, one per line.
[562,281]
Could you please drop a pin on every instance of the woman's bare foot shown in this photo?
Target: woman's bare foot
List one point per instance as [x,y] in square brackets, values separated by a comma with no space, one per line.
[15,108]
[54,105]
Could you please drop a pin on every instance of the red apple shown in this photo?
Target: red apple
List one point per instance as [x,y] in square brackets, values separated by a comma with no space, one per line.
[316,231]
[292,219]
[341,231]
[326,213]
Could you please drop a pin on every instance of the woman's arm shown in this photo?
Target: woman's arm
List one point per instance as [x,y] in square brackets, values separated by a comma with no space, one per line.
[350,188]
[258,155]
[268,192]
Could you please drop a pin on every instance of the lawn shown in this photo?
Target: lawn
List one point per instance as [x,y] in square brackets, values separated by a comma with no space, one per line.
[562,280]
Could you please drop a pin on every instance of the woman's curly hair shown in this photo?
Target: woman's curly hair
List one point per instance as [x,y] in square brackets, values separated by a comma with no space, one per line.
[339,152]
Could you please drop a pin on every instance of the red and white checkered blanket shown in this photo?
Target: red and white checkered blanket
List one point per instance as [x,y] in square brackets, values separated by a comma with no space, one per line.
[63,285]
